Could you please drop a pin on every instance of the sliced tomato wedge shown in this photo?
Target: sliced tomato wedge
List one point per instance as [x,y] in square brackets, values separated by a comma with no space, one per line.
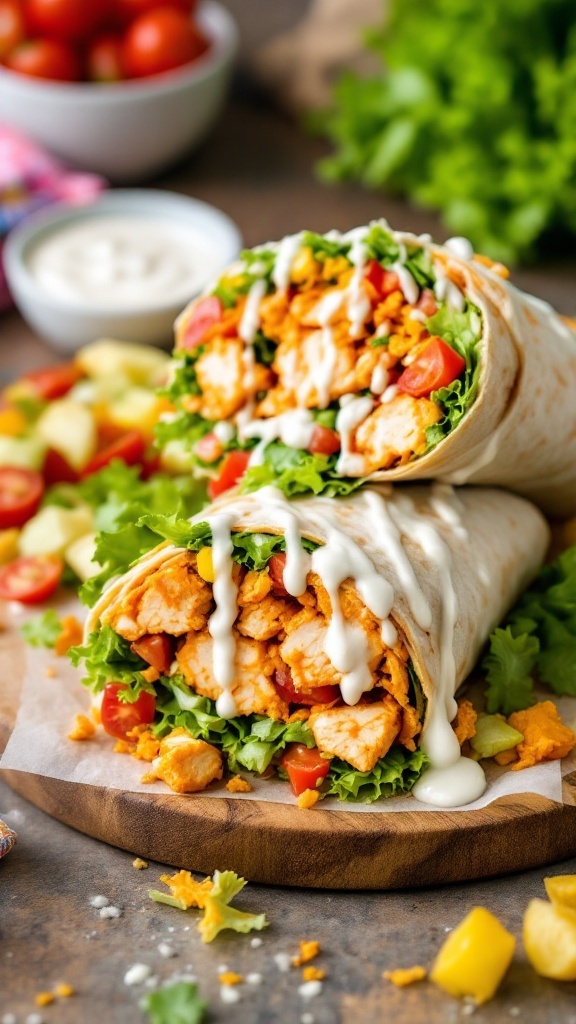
[205,314]
[324,441]
[54,381]
[130,447]
[383,281]
[119,717]
[319,695]
[20,494]
[208,448]
[232,470]
[305,767]
[57,469]
[436,367]
[427,302]
[157,649]
[276,573]
[30,580]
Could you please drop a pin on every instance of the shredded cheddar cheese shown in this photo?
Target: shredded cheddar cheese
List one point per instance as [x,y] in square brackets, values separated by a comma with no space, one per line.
[230,978]
[313,974]
[238,785]
[307,799]
[44,998]
[184,887]
[82,728]
[309,949]
[64,990]
[71,635]
[403,976]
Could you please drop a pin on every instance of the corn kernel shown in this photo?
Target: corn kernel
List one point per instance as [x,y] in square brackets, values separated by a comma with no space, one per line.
[44,998]
[205,565]
[550,939]
[474,957]
[64,990]
[307,799]
[9,544]
[230,978]
[561,890]
[12,422]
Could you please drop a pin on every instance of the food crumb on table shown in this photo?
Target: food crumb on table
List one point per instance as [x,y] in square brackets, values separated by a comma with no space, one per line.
[64,990]
[229,994]
[166,950]
[230,978]
[137,974]
[82,728]
[312,973]
[139,864]
[309,949]
[310,989]
[109,913]
[44,998]
[238,785]
[403,976]
[99,901]
[307,799]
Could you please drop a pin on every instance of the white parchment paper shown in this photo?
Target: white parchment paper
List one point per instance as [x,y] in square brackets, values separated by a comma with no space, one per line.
[48,704]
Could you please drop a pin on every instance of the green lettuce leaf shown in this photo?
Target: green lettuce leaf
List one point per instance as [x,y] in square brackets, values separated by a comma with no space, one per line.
[394,774]
[509,667]
[107,658]
[295,471]
[175,1004]
[43,630]
[218,915]
[462,331]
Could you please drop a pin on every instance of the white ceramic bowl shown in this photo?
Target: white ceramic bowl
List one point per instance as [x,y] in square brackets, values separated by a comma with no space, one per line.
[127,131]
[69,325]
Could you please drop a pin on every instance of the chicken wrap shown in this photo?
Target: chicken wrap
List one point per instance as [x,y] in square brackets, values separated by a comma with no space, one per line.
[323,361]
[321,637]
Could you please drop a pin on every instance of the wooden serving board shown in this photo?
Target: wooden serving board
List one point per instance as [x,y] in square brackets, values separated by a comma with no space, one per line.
[273,843]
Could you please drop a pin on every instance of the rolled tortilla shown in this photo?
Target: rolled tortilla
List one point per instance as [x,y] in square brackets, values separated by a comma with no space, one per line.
[433,571]
[519,431]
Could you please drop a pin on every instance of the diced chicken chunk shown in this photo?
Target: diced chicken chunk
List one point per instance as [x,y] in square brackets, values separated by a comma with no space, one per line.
[225,380]
[360,735]
[253,689]
[303,649]
[186,764]
[172,599]
[396,430]
[266,619]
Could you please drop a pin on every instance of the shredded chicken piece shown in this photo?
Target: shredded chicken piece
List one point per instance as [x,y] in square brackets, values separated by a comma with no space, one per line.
[410,728]
[187,765]
[222,376]
[253,588]
[266,619]
[361,734]
[396,430]
[464,724]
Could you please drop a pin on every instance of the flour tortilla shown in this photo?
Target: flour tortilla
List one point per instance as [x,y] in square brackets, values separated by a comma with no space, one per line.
[494,558]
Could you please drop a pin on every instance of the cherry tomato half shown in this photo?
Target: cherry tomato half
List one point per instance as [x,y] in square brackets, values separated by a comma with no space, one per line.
[130,447]
[305,767]
[383,281]
[54,381]
[208,448]
[45,58]
[57,469]
[67,20]
[20,494]
[104,59]
[119,717]
[324,441]
[12,26]
[30,580]
[436,367]
[205,314]
[233,468]
[276,573]
[160,40]
[319,695]
[157,649]
[126,11]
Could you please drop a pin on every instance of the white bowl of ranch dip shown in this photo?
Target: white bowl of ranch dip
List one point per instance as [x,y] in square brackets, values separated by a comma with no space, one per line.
[122,267]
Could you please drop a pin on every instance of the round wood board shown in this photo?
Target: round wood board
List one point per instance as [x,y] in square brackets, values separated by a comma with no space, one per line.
[273,843]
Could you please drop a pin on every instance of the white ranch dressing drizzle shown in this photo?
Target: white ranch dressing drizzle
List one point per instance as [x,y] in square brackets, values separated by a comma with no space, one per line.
[220,624]
[446,291]
[379,379]
[249,325]
[389,393]
[294,428]
[224,431]
[358,303]
[320,375]
[447,505]
[285,256]
[350,415]
[460,247]
[408,285]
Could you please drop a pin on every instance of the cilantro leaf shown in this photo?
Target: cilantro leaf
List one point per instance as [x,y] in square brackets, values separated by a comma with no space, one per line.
[509,666]
[43,630]
[175,1004]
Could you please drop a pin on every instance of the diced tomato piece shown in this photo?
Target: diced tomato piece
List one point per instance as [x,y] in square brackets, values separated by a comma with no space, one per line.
[30,580]
[130,447]
[427,302]
[119,717]
[54,381]
[324,441]
[20,494]
[276,573]
[208,448]
[233,468]
[436,367]
[205,314]
[305,767]
[57,469]
[157,649]
[383,281]
[319,695]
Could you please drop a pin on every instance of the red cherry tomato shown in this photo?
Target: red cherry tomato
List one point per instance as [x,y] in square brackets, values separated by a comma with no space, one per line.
[276,573]
[157,649]
[104,59]
[205,314]
[57,469]
[159,41]
[130,447]
[305,767]
[208,448]
[436,367]
[12,26]
[324,441]
[68,20]
[383,281]
[233,468]
[119,717]
[126,11]
[30,580]
[20,494]
[45,58]
[319,695]
[54,381]
[427,302]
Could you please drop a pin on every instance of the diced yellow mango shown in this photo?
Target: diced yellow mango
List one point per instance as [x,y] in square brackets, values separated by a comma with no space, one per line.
[205,565]
[135,364]
[550,939]
[27,452]
[9,545]
[474,957]
[12,422]
[175,457]
[53,529]
[562,890]
[70,428]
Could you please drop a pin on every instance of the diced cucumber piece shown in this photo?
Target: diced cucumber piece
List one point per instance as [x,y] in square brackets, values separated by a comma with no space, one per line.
[493,735]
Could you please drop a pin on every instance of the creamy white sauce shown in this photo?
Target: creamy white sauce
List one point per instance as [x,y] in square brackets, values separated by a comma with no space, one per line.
[224,431]
[294,428]
[379,379]
[286,254]
[250,321]
[460,247]
[389,393]
[408,285]
[459,784]
[123,261]
[351,414]
[446,291]
[358,303]
[447,506]
[220,624]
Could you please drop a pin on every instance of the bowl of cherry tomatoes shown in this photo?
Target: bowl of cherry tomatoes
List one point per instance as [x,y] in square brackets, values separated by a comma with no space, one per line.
[124,88]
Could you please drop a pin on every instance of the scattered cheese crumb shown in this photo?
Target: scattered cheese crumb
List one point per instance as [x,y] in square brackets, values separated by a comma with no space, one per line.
[238,785]
[308,950]
[139,864]
[256,942]
[229,995]
[71,635]
[307,1018]
[99,901]
[44,998]
[148,777]
[96,714]
[107,913]
[313,974]
[82,728]
[254,979]
[230,978]
[166,950]
[307,799]
[64,991]
[283,961]
[309,989]
[137,974]
[405,976]
[50,672]
[34,1018]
